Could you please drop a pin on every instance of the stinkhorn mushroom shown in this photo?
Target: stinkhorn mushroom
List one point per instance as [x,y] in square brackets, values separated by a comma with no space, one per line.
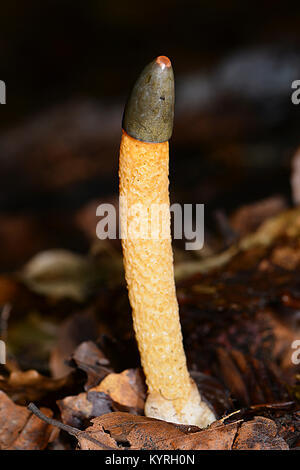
[148,261]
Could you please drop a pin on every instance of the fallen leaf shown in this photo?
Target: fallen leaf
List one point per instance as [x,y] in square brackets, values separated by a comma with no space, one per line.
[126,389]
[289,428]
[123,431]
[89,358]
[20,429]
[79,409]
[31,385]
[59,274]
[259,434]
[117,392]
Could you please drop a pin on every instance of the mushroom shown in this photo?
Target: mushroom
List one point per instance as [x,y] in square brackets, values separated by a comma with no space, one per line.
[148,261]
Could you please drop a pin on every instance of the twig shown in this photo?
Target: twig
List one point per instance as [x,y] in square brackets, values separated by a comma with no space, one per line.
[65,427]
[286,405]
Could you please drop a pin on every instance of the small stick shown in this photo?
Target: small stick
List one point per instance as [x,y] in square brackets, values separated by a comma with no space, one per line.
[286,405]
[65,427]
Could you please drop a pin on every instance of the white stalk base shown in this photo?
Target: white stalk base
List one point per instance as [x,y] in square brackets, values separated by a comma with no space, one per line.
[195,411]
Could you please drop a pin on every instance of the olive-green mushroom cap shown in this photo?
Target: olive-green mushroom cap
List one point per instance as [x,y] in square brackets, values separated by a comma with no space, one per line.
[149,111]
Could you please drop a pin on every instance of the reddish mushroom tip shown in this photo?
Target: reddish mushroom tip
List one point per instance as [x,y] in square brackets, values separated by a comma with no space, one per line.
[163,61]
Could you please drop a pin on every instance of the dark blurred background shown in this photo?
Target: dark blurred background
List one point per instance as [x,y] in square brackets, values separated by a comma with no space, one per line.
[68,67]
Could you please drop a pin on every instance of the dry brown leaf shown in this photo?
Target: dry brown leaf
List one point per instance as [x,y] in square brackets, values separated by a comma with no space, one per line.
[126,389]
[123,430]
[117,392]
[89,358]
[76,410]
[259,434]
[59,274]
[126,431]
[20,429]
[31,385]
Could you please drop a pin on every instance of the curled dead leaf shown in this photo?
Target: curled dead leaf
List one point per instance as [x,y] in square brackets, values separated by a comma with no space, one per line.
[126,389]
[79,409]
[89,358]
[20,429]
[31,385]
[59,274]
[123,430]
[259,434]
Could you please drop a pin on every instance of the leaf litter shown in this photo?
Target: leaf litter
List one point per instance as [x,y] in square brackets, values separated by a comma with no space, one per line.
[239,312]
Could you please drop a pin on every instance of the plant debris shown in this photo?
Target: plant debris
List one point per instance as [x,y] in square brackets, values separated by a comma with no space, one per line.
[20,429]
[239,313]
